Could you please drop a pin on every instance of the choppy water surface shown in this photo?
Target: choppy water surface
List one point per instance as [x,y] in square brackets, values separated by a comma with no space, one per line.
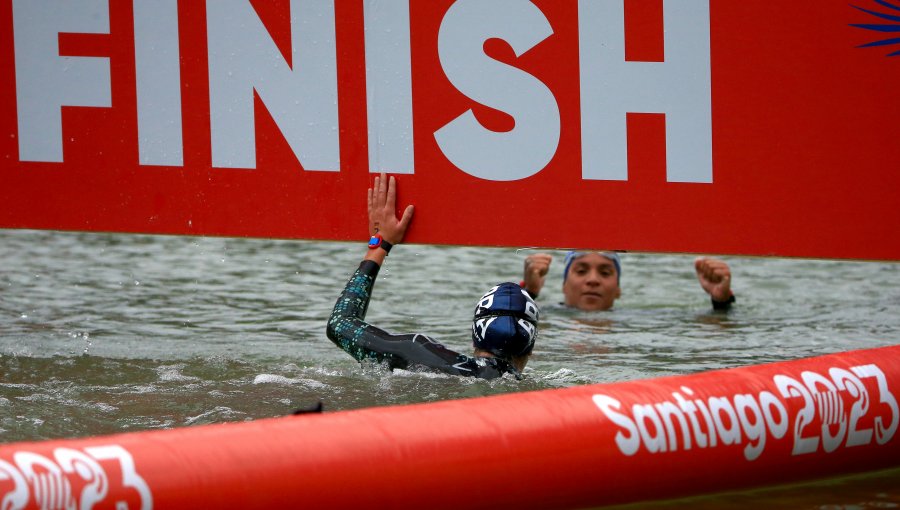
[109,333]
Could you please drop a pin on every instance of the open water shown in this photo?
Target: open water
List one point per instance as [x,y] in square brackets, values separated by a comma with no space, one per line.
[104,333]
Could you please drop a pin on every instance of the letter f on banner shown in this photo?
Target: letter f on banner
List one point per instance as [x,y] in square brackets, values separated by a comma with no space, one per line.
[45,81]
[611,87]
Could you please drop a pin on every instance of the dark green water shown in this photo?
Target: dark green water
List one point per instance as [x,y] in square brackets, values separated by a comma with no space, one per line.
[110,333]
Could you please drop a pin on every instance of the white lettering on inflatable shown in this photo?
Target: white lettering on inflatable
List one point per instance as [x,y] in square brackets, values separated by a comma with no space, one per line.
[761,417]
[628,443]
[17,497]
[831,409]
[130,476]
[845,380]
[653,437]
[474,149]
[48,483]
[690,410]
[751,420]
[730,433]
[73,461]
[158,80]
[791,388]
[301,97]
[768,401]
[680,87]
[389,86]
[45,81]
[883,433]
[707,418]
[50,487]
[668,410]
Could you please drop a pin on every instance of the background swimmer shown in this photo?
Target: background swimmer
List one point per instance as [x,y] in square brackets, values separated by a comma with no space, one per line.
[591,280]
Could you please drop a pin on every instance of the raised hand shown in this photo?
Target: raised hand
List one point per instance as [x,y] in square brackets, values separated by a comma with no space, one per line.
[382,201]
[715,277]
[536,268]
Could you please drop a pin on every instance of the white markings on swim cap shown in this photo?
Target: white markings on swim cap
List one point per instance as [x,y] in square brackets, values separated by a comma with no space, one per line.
[483,325]
[528,327]
[531,309]
[487,300]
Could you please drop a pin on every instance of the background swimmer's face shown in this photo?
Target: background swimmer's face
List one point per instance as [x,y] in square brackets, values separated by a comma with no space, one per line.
[592,283]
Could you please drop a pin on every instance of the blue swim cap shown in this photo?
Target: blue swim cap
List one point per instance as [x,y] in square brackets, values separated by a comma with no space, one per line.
[505,322]
[611,255]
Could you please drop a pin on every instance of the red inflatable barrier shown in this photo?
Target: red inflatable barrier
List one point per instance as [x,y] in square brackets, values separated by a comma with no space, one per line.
[569,448]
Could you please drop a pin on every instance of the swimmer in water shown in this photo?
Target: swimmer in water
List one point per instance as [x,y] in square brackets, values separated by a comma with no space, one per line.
[591,279]
[504,326]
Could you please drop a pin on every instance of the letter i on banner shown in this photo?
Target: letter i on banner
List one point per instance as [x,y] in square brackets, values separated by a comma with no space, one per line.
[389,86]
[611,87]
[158,74]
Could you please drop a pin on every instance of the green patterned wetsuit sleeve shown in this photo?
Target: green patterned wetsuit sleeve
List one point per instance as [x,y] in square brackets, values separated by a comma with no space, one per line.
[347,325]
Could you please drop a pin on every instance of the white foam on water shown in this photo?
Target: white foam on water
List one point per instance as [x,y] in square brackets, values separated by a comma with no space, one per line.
[280,379]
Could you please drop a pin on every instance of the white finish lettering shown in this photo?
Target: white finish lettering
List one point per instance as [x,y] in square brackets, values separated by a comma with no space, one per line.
[301,97]
[300,92]
[158,75]
[532,143]
[389,86]
[45,81]
[680,87]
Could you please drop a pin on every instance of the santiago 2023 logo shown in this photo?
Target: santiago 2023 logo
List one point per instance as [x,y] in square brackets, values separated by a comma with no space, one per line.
[889,28]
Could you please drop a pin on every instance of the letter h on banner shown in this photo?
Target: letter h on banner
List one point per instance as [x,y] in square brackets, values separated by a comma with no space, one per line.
[611,87]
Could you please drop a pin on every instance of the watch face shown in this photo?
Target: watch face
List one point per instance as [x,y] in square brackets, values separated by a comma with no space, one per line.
[374,242]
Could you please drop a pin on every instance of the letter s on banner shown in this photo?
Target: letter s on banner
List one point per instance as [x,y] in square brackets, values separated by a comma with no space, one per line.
[532,143]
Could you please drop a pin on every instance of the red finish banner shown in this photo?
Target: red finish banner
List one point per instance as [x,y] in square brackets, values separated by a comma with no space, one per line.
[720,126]
[572,448]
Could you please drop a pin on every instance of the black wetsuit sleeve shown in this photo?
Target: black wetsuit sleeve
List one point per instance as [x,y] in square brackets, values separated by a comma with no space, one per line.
[348,329]
[723,306]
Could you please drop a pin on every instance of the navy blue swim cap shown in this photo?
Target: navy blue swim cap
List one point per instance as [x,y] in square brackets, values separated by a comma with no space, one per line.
[505,322]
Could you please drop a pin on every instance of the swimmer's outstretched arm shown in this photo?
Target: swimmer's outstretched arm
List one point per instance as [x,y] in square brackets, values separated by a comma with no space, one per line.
[347,326]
